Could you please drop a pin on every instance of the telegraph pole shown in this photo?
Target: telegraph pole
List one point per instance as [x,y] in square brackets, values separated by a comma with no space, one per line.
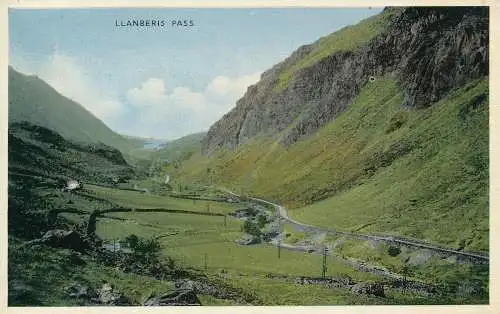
[324,262]
[279,234]
[205,259]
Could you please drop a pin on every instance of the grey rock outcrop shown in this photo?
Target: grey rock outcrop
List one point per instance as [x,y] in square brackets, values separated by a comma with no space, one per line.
[248,239]
[77,291]
[108,295]
[375,289]
[185,295]
[64,239]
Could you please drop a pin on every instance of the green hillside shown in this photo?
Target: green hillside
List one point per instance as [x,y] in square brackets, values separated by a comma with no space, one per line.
[38,151]
[181,148]
[33,100]
[377,168]
[171,154]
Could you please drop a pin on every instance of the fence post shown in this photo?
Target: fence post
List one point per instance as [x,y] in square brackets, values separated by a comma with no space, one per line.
[205,261]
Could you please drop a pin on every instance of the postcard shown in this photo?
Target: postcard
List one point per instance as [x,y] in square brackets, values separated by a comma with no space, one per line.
[251,156]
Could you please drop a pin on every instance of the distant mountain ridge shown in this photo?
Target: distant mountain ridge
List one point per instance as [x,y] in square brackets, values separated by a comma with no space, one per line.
[33,100]
[181,148]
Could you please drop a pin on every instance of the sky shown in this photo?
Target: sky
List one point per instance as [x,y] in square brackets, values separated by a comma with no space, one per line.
[163,82]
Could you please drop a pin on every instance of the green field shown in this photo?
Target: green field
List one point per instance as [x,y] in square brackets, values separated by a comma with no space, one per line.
[189,237]
[207,244]
[196,241]
[136,199]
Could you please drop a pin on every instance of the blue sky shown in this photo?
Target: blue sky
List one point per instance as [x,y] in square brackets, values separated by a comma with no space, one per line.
[163,82]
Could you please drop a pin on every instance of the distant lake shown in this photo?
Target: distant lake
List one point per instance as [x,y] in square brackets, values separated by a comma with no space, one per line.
[152,144]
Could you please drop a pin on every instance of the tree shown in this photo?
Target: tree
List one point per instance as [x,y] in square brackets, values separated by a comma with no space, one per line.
[406,271]
[143,248]
[252,228]
[261,221]
[132,240]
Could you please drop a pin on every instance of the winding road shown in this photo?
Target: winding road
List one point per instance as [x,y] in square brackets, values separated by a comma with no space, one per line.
[283,214]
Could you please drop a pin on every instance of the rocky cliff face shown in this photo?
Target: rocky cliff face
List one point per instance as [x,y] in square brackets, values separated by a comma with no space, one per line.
[430,50]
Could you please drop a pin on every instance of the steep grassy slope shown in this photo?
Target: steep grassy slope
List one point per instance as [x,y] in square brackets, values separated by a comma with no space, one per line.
[347,39]
[35,150]
[33,100]
[378,167]
[41,158]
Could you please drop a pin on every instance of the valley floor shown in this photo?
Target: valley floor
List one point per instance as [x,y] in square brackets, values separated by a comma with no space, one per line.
[200,236]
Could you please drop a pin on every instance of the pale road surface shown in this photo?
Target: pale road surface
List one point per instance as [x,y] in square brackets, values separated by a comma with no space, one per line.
[283,213]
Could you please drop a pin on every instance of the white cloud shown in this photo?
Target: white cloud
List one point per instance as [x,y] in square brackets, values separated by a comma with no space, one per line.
[69,77]
[183,111]
[151,93]
[149,109]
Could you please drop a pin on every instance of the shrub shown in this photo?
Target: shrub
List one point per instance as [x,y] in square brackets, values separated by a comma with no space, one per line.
[397,121]
[132,241]
[251,228]
[261,221]
[394,251]
[143,247]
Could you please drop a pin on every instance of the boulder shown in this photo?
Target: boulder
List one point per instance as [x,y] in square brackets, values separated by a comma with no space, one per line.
[375,289]
[344,280]
[248,240]
[75,258]
[77,291]
[197,286]
[108,295]
[186,284]
[65,239]
[175,298]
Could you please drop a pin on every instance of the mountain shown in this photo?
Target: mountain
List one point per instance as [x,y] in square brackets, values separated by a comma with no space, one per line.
[428,50]
[170,155]
[37,151]
[181,148]
[381,127]
[42,156]
[33,100]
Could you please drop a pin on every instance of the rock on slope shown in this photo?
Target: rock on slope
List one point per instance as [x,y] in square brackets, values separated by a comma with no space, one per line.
[430,50]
